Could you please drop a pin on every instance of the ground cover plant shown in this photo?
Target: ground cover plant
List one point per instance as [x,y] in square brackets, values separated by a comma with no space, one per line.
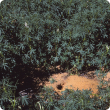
[72,33]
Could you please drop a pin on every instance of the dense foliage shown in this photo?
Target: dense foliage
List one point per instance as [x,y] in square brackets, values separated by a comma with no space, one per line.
[72,33]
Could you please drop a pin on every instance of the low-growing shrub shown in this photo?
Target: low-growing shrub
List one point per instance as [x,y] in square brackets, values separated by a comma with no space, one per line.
[72,33]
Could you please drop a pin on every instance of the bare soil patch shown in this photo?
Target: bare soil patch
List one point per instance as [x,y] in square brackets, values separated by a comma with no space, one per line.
[61,80]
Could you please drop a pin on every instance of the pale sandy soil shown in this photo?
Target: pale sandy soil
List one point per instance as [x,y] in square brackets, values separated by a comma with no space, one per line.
[64,80]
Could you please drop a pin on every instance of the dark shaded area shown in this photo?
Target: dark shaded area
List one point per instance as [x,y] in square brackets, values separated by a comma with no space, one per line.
[59,87]
[29,76]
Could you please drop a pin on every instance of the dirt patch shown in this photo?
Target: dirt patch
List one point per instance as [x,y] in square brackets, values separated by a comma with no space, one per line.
[63,81]
[72,82]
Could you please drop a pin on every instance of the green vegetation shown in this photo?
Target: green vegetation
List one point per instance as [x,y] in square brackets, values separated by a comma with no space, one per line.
[72,33]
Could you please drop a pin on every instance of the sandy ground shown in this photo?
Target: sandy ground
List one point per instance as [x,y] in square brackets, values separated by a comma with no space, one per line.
[64,80]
